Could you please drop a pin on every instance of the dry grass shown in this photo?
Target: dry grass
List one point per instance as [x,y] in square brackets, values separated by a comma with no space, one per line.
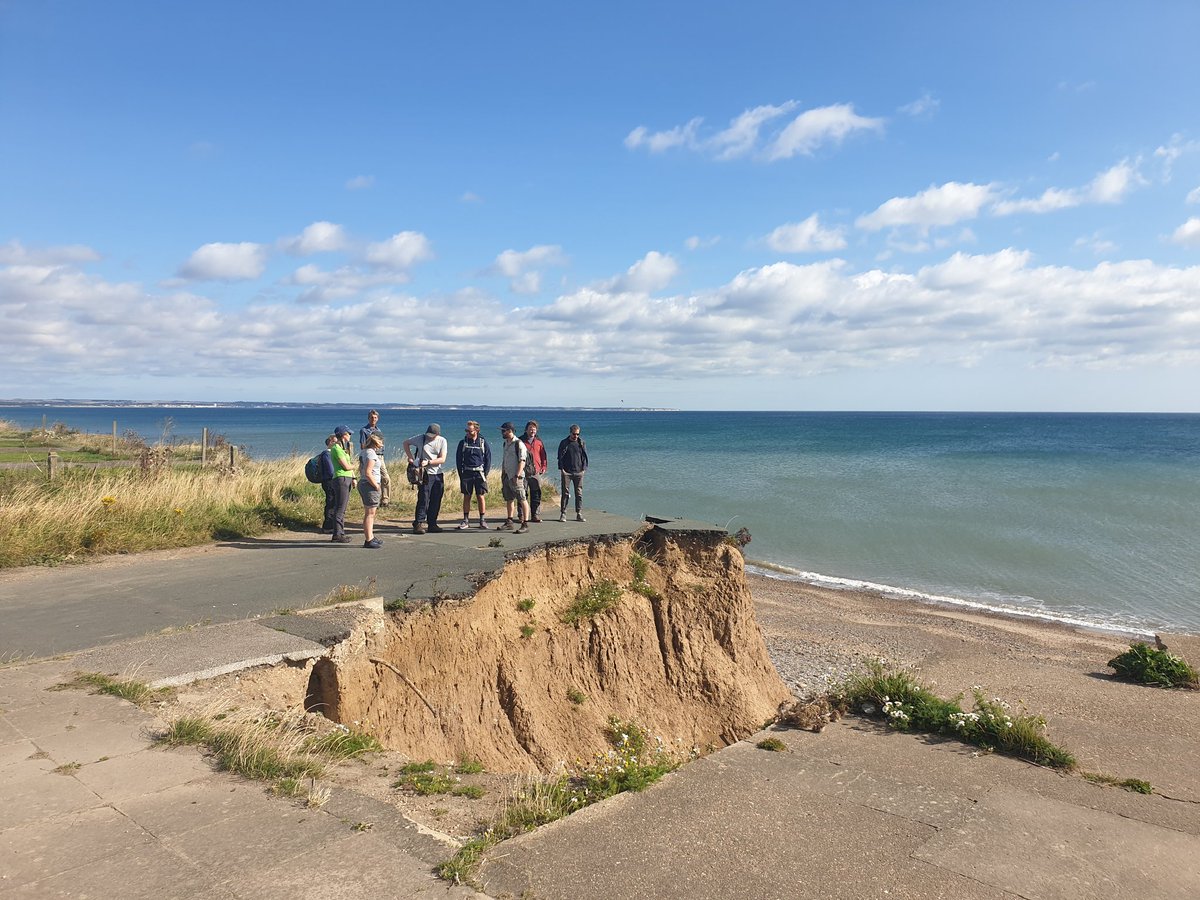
[88,513]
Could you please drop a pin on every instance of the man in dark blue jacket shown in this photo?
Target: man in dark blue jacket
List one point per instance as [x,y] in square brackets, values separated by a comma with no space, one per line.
[473,461]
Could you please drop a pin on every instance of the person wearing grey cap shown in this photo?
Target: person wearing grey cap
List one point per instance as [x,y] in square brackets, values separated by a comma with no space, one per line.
[429,451]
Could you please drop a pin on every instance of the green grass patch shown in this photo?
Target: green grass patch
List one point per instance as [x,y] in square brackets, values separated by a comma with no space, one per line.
[416,768]
[775,745]
[468,767]
[1135,785]
[907,705]
[634,762]
[136,692]
[528,631]
[343,743]
[1149,665]
[641,566]
[187,731]
[592,601]
[470,791]
[525,604]
[426,783]
[576,696]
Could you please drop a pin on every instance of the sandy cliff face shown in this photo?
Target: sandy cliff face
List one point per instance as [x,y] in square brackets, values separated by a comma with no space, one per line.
[459,680]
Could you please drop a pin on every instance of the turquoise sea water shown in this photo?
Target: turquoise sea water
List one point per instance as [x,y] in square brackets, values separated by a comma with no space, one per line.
[1088,517]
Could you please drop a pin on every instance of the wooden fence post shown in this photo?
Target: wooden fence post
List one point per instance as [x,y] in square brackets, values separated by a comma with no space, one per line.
[114,450]
[232,457]
[51,465]
[204,449]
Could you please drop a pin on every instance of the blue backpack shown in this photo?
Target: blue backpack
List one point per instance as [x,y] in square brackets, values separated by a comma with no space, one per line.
[312,469]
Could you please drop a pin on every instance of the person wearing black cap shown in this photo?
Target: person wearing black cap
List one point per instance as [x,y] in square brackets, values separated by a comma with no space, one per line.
[429,451]
[343,482]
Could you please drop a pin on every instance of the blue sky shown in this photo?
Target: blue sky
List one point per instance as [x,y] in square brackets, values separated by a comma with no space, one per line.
[753,205]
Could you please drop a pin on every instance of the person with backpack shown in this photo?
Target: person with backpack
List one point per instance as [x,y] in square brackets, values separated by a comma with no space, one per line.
[572,464]
[473,459]
[538,463]
[343,481]
[325,472]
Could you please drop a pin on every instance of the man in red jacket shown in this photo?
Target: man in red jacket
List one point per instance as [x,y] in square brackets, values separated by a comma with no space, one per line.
[538,463]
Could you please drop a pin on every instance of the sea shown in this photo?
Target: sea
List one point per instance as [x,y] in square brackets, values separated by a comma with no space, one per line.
[1088,519]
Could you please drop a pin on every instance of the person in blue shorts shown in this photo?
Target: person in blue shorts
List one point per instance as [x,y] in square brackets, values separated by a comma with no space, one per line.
[473,460]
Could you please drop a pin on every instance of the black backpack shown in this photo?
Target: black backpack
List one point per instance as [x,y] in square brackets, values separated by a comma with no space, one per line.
[312,469]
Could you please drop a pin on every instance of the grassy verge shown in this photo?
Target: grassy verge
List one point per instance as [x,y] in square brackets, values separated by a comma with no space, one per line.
[136,692]
[635,762]
[1149,665]
[282,750]
[592,601]
[907,705]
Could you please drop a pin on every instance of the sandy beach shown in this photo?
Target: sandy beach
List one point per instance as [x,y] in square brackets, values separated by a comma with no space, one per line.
[814,634]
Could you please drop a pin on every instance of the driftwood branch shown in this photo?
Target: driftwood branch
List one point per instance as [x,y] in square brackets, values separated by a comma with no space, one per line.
[401,675]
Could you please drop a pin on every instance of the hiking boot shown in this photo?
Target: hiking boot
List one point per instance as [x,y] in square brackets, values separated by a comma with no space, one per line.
[340,539]
[524,528]
[464,525]
[419,528]
[508,523]
[483,525]
[562,517]
[536,519]
[436,529]
[579,517]
[373,544]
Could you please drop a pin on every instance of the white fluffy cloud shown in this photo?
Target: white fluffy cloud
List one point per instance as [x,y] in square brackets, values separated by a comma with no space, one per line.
[814,128]
[319,237]
[781,319]
[808,236]
[1110,186]
[360,183]
[225,262]
[923,107]
[1193,195]
[1188,234]
[651,273]
[400,252]
[523,267]
[804,135]
[939,205]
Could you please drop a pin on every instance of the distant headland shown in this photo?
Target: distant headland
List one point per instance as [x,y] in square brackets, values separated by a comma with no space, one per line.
[264,404]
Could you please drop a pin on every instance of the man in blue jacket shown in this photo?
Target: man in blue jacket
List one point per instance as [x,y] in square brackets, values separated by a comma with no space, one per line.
[328,522]
[473,461]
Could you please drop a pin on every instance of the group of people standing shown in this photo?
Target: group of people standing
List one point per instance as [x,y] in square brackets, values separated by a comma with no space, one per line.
[524,460]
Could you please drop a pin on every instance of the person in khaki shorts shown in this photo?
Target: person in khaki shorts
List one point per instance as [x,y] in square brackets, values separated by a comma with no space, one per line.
[385,482]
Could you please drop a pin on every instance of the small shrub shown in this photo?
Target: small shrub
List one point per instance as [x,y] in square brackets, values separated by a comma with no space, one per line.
[775,745]
[526,604]
[495,542]
[592,601]
[640,566]
[907,705]
[528,631]
[576,696]
[468,767]
[1149,665]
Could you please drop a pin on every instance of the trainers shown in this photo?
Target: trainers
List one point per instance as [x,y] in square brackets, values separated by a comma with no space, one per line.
[579,517]
[508,523]
[563,517]
[340,539]
[483,525]
[419,528]
[464,525]
[524,528]
[373,544]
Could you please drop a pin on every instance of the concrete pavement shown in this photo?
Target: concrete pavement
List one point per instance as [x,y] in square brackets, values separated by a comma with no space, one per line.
[89,807]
